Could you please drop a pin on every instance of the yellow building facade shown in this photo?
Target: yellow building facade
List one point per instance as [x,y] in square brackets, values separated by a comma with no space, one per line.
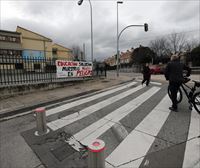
[35,46]
[61,52]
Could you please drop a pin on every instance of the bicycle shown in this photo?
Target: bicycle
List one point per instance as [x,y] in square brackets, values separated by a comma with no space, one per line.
[191,94]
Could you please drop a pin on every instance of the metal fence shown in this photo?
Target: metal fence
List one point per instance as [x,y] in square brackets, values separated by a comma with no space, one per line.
[18,71]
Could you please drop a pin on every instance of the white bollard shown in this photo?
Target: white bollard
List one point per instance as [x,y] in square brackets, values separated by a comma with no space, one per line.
[96,158]
[41,121]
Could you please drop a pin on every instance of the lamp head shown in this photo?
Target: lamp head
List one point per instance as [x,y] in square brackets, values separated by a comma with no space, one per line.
[120,2]
[80,2]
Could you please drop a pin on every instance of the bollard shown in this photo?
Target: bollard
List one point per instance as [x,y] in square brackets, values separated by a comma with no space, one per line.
[41,121]
[96,157]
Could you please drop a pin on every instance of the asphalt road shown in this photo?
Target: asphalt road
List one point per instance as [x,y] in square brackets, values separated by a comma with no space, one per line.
[133,120]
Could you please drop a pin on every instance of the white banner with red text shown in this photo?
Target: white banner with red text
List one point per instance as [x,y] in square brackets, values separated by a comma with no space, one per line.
[73,69]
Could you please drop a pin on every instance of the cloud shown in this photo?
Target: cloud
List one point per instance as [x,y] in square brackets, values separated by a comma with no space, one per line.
[69,24]
[181,11]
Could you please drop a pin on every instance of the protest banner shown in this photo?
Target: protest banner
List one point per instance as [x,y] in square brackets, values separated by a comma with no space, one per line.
[73,69]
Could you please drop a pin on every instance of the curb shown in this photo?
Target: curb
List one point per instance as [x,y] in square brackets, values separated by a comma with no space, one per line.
[32,107]
[11,113]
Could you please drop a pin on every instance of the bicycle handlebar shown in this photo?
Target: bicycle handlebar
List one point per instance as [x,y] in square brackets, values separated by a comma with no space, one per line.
[186,79]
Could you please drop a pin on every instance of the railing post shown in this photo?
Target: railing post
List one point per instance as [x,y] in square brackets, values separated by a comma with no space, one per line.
[96,158]
[41,121]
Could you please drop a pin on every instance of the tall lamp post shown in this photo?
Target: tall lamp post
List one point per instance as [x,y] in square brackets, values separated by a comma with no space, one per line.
[118,2]
[79,3]
[145,29]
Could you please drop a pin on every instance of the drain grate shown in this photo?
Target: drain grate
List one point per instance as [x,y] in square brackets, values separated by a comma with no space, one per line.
[62,152]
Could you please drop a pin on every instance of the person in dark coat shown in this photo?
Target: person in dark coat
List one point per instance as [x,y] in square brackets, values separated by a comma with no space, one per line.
[174,73]
[146,74]
[97,69]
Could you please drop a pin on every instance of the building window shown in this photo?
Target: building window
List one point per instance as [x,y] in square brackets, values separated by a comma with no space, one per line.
[18,39]
[13,39]
[14,53]
[2,38]
[1,52]
[10,39]
[4,52]
[10,52]
[54,51]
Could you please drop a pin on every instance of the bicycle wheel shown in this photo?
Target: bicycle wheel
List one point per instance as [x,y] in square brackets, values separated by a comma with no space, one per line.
[179,95]
[196,101]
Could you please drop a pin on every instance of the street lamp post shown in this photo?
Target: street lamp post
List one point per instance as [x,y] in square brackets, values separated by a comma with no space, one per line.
[145,29]
[79,3]
[118,2]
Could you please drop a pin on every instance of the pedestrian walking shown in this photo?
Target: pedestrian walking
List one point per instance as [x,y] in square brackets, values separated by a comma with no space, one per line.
[174,73]
[101,69]
[105,69]
[146,74]
[97,69]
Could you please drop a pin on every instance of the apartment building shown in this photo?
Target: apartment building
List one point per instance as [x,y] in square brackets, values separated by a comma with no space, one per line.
[10,49]
[124,58]
[29,51]
[111,61]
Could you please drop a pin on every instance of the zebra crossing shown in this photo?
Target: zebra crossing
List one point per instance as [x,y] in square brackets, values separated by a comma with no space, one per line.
[135,123]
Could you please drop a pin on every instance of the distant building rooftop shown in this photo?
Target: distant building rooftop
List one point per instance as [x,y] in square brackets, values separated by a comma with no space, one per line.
[10,32]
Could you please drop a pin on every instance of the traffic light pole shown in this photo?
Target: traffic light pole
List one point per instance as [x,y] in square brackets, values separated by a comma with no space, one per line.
[145,29]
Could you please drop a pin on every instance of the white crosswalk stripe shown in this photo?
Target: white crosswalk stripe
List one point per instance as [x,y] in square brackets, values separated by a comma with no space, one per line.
[140,142]
[192,154]
[89,110]
[95,130]
[79,102]
[134,145]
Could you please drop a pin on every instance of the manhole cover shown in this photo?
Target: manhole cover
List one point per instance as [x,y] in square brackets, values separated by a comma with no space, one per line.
[63,152]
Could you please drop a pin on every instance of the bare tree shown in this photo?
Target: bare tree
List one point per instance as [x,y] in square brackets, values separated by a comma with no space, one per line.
[160,46]
[190,45]
[177,42]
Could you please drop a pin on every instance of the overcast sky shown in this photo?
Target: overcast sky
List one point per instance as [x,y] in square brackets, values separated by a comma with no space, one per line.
[68,24]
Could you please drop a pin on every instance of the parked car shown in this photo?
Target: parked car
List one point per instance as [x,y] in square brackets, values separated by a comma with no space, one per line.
[155,69]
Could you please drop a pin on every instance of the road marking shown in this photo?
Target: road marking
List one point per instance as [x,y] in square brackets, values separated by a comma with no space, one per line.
[192,151]
[134,146]
[137,144]
[194,130]
[156,116]
[132,164]
[54,125]
[96,129]
[85,100]
[155,83]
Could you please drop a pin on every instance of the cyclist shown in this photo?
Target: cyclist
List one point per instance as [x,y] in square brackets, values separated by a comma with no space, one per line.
[174,73]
